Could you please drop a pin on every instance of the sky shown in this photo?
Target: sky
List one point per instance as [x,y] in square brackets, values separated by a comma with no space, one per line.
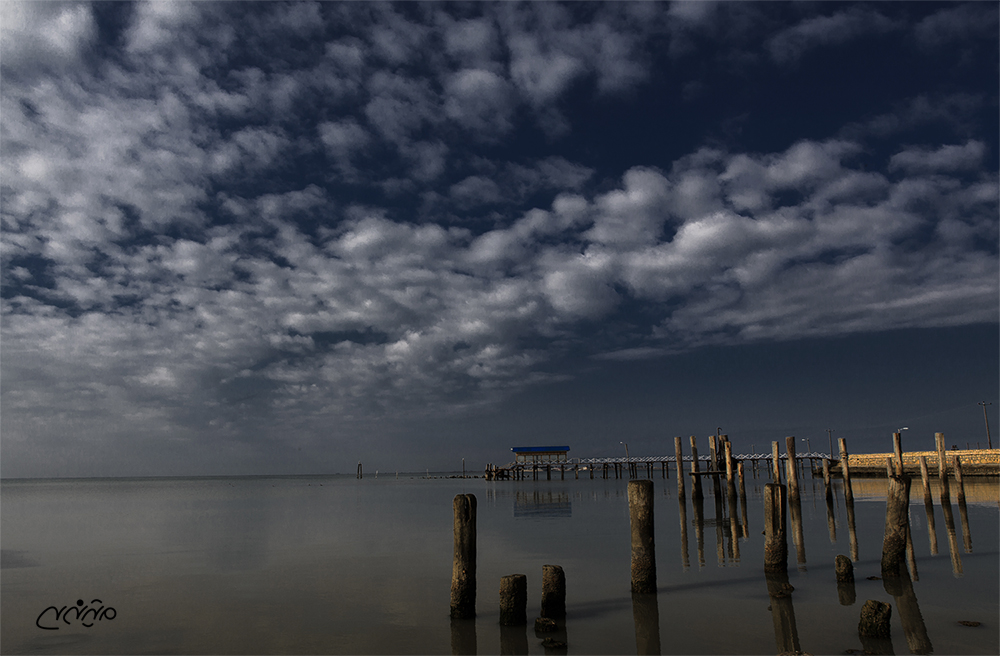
[283,238]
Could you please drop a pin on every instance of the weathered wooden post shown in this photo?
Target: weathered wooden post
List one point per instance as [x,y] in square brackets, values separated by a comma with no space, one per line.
[897,520]
[679,458]
[514,600]
[827,487]
[874,627]
[942,465]
[846,592]
[925,479]
[640,504]
[728,455]
[957,468]
[845,469]
[713,459]
[695,467]
[359,470]
[793,475]
[553,592]
[775,545]
[890,471]
[897,448]
[775,462]
[463,570]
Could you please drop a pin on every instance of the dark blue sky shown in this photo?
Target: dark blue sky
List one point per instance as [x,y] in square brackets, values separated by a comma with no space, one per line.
[285,237]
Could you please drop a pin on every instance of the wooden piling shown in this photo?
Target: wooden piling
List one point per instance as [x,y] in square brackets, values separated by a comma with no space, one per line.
[897,520]
[875,620]
[679,459]
[925,479]
[846,592]
[728,455]
[713,458]
[696,492]
[775,544]
[553,592]
[463,571]
[845,469]
[775,462]
[359,471]
[890,469]
[640,503]
[514,600]
[897,448]
[957,468]
[793,475]
[942,464]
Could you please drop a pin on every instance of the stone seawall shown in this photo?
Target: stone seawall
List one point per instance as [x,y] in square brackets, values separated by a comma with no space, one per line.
[975,462]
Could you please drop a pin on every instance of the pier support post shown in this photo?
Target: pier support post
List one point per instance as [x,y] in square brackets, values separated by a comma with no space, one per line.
[874,627]
[793,474]
[845,469]
[897,449]
[845,580]
[942,464]
[640,504]
[463,570]
[359,470]
[696,492]
[827,489]
[514,600]
[775,544]
[679,459]
[728,454]
[897,521]
[775,462]
[553,592]
[925,479]
[958,480]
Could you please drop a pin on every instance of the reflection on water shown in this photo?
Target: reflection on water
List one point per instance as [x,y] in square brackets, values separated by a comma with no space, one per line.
[538,504]
[338,565]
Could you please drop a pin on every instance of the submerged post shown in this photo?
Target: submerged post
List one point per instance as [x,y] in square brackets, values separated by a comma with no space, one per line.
[897,521]
[775,544]
[514,600]
[463,570]
[640,505]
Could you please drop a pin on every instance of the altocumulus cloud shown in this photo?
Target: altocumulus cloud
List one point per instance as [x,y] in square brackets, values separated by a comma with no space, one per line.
[233,225]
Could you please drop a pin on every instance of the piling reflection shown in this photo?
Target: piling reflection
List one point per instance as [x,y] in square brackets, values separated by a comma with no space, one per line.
[931,529]
[463,636]
[949,525]
[698,503]
[646,614]
[831,522]
[734,525]
[555,642]
[963,515]
[851,531]
[682,515]
[539,504]
[795,512]
[901,589]
[720,540]
[513,640]
[779,591]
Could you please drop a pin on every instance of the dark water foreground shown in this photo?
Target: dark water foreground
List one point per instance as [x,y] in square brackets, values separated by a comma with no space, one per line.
[338,565]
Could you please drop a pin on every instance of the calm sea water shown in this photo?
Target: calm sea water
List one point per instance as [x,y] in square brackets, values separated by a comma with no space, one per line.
[340,565]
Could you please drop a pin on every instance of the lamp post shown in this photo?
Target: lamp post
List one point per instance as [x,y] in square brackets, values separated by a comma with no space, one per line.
[829,434]
[808,447]
[626,450]
[989,439]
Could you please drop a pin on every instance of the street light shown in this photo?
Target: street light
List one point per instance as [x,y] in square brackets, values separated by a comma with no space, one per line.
[903,429]
[808,447]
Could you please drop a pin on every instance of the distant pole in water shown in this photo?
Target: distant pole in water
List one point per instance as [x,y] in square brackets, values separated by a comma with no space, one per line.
[942,465]
[359,469]
[463,570]
[679,459]
[845,470]
[793,474]
[463,467]
[640,505]
[776,462]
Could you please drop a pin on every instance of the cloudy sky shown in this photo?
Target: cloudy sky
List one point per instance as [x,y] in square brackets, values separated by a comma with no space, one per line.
[285,237]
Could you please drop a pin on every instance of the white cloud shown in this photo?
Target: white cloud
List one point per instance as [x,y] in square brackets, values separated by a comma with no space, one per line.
[481,101]
[968,156]
[33,33]
[787,46]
